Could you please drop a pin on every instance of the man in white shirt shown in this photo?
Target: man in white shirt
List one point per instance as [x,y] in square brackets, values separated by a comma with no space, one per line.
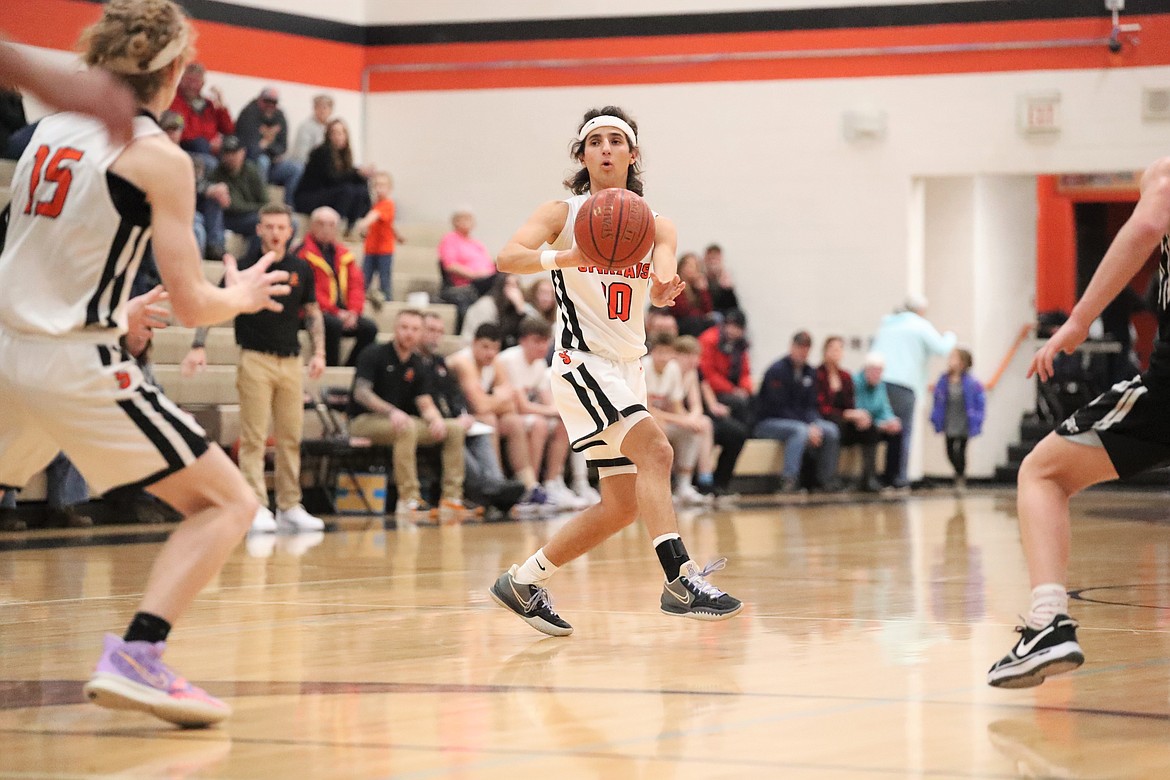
[524,368]
[665,392]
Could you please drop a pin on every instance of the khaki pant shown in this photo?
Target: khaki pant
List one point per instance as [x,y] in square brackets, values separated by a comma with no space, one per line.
[270,391]
[377,428]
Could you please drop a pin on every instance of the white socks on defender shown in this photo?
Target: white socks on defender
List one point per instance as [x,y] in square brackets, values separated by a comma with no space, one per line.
[535,569]
[1048,601]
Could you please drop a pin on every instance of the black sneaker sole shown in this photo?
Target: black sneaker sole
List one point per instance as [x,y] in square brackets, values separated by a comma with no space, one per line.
[1036,675]
[543,626]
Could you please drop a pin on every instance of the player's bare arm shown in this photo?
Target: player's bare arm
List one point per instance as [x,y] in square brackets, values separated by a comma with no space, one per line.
[1138,237]
[521,255]
[665,284]
[93,92]
[170,190]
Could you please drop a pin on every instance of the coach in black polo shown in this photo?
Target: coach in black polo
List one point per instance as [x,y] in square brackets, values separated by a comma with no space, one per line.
[269,376]
[391,404]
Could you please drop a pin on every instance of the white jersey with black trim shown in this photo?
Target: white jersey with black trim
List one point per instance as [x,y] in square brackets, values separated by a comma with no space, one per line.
[601,311]
[76,234]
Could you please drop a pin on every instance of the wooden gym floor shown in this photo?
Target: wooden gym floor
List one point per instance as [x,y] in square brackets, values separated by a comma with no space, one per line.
[371,653]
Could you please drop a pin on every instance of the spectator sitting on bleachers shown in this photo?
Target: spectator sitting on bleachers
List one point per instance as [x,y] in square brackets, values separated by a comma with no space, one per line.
[206,120]
[311,132]
[65,491]
[719,281]
[263,129]
[12,117]
[340,290]
[787,411]
[331,178]
[268,376]
[726,367]
[484,480]
[391,403]
[712,478]
[210,199]
[467,267]
[659,320]
[524,368]
[837,402]
[493,401]
[693,308]
[873,398]
[504,305]
[686,431]
[543,300]
[246,190]
[381,236]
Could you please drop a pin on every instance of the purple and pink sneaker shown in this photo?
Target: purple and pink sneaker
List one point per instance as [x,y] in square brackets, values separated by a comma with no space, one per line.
[132,676]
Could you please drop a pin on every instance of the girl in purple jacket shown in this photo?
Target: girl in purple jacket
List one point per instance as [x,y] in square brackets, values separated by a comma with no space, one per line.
[959,402]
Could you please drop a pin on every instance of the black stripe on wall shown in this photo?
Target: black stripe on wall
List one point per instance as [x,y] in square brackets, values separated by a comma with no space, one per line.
[971,11]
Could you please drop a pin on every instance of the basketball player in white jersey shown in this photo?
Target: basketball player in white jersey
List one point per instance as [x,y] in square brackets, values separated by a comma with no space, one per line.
[599,387]
[84,211]
[1123,432]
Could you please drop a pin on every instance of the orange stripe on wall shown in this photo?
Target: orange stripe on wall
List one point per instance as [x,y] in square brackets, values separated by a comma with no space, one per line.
[271,55]
[1155,30]
[56,24]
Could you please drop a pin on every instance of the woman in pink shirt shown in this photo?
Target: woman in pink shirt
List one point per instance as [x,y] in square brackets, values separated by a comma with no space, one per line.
[467,266]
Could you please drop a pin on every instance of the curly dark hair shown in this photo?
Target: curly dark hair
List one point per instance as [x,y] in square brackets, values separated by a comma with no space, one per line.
[578,183]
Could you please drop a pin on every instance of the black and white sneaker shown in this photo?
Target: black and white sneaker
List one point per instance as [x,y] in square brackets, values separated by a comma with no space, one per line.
[531,602]
[1039,654]
[690,595]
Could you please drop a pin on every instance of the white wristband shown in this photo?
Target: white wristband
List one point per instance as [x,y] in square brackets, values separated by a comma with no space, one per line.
[548,259]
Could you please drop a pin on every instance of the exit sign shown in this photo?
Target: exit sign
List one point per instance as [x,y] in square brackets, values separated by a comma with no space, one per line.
[1039,113]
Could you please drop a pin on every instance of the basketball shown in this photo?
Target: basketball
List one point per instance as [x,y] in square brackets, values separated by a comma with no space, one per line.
[614,228]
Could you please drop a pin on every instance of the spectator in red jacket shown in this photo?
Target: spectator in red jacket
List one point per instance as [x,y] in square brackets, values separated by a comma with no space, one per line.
[725,366]
[341,289]
[206,120]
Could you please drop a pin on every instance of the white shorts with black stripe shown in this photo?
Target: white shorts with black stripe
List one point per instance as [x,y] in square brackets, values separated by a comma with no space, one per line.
[600,400]
[92,403]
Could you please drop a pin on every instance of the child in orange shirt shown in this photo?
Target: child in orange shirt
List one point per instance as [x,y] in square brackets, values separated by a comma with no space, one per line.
[378,228]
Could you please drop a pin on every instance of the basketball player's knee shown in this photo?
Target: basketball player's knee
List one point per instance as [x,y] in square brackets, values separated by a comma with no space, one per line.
[656,454]
[1036,468]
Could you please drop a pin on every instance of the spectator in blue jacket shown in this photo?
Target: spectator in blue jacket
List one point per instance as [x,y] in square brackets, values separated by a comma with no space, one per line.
[787,411]
[870,395]
[906,339]
[959,403]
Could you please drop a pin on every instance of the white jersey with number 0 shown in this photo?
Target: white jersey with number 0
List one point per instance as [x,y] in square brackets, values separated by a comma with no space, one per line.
[601,311]
[76,234]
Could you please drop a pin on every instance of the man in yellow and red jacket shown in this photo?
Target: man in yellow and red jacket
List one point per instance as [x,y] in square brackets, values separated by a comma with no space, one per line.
[341,289]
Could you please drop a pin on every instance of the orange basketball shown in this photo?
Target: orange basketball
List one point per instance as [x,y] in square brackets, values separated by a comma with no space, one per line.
[614,228]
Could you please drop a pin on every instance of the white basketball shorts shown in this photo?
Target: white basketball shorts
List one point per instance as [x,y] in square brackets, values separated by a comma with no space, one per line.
[91,402]
[600,400]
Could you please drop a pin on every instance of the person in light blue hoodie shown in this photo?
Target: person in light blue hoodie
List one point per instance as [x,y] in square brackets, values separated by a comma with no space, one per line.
[907,340]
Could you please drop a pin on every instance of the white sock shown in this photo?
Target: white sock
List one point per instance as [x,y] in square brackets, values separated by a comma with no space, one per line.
[1048,601]
[660,539]
[536,569]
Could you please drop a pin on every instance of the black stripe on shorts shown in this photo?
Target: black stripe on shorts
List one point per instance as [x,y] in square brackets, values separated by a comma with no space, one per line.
[604,462]
[197,443]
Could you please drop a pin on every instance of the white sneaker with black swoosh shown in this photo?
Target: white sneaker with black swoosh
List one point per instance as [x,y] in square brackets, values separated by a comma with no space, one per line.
[1038,654]
[690,595]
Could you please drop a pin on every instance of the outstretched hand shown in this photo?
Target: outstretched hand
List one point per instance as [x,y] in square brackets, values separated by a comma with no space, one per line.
[663,293]
[257,286]
[1070,336]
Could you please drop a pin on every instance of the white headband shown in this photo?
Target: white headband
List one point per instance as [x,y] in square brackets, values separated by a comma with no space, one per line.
[608,121]
[130,66]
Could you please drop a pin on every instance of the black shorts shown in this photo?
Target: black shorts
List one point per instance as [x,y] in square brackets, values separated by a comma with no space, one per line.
[1132,419]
